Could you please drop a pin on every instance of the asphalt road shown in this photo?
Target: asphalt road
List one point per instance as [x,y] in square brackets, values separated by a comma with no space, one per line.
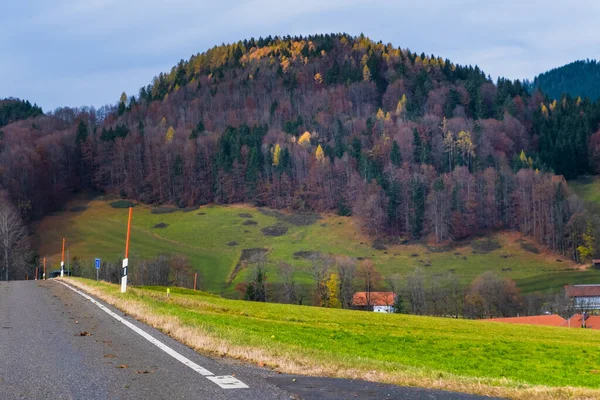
[55,344]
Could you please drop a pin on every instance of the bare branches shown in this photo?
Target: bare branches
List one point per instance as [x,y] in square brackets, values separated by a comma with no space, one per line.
[346,268]
[370,277]
[12,237]
[287,274]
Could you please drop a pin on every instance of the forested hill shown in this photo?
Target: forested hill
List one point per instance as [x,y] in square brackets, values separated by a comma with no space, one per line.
[411,144]
[12,110]
[577,79]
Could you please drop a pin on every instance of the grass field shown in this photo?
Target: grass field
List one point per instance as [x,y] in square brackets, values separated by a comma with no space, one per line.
[213,238]
[588,188]
[515,361]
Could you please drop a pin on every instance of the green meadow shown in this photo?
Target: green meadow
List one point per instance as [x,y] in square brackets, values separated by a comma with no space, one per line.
[588,188]
[476,356]
[213,238]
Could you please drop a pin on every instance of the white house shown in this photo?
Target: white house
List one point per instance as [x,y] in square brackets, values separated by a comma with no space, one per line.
[584,297]
[377,301]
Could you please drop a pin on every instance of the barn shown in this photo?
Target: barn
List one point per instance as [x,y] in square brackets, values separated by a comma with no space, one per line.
[584,297]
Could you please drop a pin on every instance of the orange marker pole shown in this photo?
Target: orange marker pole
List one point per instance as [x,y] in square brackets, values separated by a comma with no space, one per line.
[126,259]
[44,276]
[62,262]
[128,233]
[195,278]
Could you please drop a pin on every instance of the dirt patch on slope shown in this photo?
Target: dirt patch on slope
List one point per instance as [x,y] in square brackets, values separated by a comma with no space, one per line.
[247,257]
[278,229]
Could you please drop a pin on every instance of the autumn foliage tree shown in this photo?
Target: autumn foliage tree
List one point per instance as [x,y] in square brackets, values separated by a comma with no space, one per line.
[411,145]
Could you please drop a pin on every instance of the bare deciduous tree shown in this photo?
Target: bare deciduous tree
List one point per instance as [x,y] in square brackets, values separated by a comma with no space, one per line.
[394,282]
[181,270]
[287,274]
[12,236]
[500,295]
[319,271]
[455,299]
[370,278]
[346,268]
[416,292]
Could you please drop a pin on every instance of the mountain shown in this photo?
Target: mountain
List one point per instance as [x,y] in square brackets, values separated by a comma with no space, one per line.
[412,145]
[577,79]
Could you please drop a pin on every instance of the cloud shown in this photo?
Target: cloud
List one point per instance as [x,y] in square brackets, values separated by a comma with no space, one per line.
[72,52]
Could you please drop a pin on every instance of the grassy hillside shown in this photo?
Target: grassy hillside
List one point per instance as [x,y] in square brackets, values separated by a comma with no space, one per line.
[588,188]
[214,237]
[506,360]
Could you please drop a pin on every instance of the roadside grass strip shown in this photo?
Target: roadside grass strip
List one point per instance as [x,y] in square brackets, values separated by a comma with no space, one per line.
[225,382]
[478,357]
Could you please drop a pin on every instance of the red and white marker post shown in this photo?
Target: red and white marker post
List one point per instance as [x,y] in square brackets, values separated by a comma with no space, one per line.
[126,259]
[62,262]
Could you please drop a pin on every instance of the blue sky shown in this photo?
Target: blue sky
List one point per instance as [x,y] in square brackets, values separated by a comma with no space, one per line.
[86,52]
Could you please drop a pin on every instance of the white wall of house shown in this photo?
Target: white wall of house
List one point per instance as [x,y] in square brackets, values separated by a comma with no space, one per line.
[384,309]
[587,302]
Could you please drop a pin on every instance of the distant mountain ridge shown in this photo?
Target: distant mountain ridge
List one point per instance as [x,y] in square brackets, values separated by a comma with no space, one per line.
[12,110]
[577,79]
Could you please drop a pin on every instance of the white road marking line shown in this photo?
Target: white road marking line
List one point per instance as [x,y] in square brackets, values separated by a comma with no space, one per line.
[226,382]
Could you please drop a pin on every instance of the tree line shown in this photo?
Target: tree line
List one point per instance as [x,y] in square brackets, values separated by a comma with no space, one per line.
[335,280]
[579,78]
[410,144]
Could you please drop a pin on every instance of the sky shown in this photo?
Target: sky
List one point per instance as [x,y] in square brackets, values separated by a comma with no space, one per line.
[87,52]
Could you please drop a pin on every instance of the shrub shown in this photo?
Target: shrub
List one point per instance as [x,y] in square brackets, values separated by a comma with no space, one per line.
[122,204]
[275,230]
[163,210]
[485,246]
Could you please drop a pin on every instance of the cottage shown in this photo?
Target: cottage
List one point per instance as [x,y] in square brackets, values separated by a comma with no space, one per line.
[375,301]
[584,297]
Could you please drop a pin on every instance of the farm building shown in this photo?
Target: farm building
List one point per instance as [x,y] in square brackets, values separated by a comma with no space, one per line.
[375,301]
[584,297]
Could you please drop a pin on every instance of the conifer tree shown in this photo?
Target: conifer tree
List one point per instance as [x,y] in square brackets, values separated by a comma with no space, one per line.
[417,147]
[395,155]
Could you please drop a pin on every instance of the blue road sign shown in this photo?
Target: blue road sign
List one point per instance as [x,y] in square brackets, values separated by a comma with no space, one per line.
[97,263]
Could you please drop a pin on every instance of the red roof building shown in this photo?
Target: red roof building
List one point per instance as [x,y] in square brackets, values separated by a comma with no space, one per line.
[582,290]
[377,299]
[576,321]
[584,297]
[547,320]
